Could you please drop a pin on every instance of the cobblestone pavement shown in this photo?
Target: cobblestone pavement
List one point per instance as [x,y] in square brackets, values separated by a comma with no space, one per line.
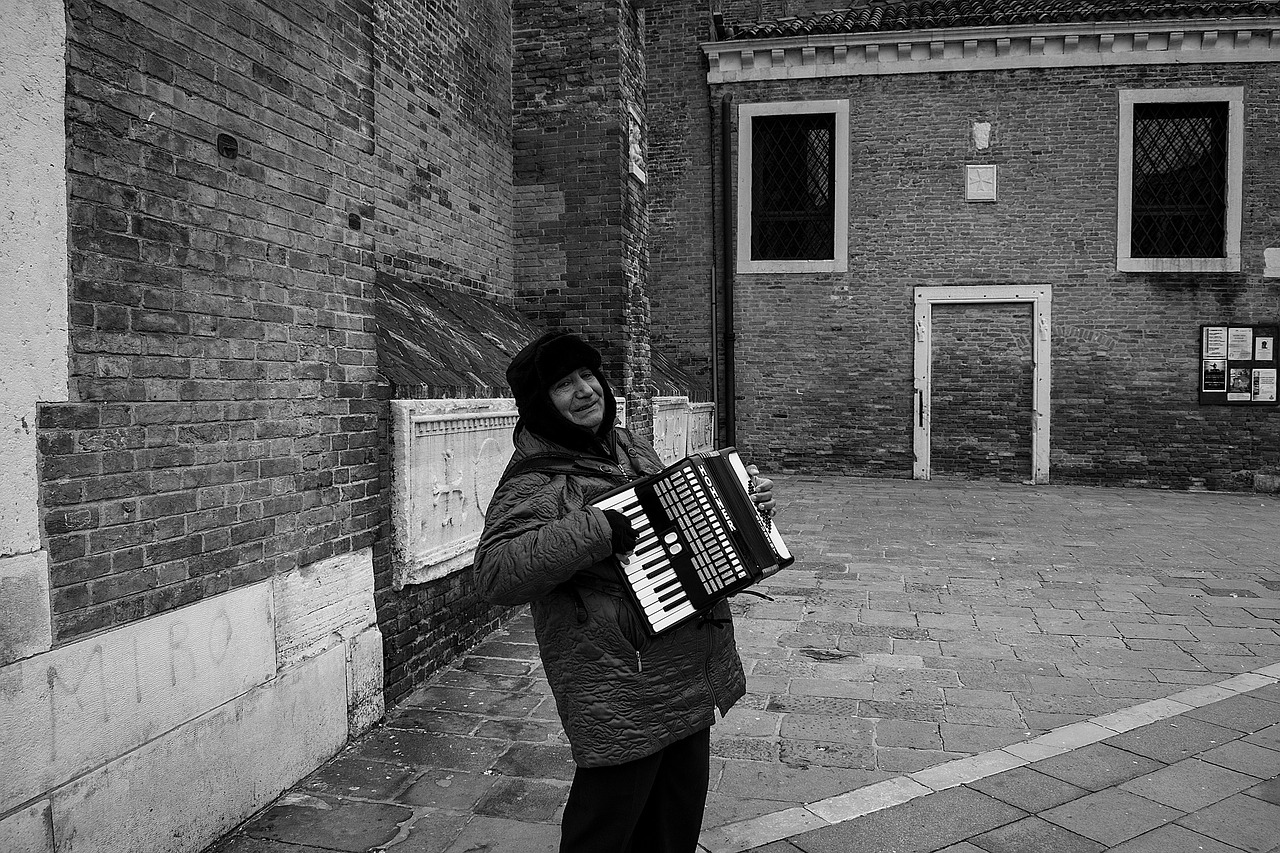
[948,666]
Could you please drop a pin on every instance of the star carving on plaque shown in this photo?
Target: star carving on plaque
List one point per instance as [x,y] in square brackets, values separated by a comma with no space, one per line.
[980,183]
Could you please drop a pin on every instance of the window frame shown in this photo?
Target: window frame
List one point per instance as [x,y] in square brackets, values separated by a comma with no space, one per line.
[839,262]
[1233,96]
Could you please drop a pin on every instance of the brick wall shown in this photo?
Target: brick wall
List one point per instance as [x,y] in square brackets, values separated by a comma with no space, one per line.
[581,225]
[444,249]
[444,144]
[221,428]
[227,420]
[681,187]
[824,361]
[981,402]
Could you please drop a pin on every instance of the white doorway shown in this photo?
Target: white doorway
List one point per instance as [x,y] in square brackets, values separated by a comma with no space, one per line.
[1039,298]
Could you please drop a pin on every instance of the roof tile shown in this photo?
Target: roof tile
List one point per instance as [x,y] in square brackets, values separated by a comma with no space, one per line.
[880,16]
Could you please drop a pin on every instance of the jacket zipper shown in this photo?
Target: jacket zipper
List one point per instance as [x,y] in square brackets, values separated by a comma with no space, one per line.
[706,670]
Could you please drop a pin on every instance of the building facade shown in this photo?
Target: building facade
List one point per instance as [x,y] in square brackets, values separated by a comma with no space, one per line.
[260,249]
[980,239]
[238,233]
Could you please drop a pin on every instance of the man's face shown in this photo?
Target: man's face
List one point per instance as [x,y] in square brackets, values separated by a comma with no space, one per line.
[580,398]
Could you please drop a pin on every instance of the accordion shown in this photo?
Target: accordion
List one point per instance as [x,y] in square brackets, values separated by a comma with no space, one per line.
[699,537]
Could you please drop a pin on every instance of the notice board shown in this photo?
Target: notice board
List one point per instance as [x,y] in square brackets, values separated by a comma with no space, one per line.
[1238,364]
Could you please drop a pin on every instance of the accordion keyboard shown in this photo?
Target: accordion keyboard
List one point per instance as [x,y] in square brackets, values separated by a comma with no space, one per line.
[685,553]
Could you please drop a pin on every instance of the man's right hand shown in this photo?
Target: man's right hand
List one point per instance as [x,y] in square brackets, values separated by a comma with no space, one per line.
[624,536]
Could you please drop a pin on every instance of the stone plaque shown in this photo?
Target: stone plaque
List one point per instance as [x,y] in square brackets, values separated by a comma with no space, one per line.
[702,427]
[980,183]
[447,458]
[671,428]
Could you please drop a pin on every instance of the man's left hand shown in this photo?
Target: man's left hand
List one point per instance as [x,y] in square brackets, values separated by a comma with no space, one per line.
[763,495]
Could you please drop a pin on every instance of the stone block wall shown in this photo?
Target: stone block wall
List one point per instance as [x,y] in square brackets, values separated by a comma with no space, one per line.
[33,309]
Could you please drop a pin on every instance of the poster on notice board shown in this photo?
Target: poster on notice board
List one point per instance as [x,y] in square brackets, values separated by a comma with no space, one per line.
[1238,364]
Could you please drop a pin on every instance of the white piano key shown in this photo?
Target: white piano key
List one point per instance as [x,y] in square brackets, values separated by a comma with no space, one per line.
[615,501]
[672,616]
[659,592]
[639,563]
[651,589]
[640,567]
[657,585]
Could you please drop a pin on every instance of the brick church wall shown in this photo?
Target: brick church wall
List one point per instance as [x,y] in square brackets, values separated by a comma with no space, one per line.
[227,421]
[444,241]
[444,144]
[824,361]
[222,425]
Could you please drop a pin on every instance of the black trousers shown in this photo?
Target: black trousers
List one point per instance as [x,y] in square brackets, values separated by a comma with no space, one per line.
[652,805]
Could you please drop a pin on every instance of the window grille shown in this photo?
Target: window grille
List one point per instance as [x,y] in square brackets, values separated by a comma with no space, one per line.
[1179,180]
[793,187]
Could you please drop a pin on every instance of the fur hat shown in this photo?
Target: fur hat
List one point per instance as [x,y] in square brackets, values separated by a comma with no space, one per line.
[539,366]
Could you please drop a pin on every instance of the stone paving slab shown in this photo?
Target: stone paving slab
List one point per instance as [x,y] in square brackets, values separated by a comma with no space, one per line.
[951,631]
[1188,805]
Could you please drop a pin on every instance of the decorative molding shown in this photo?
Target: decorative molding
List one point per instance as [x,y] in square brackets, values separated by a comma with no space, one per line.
[681,428]
[994,49]
[702,427]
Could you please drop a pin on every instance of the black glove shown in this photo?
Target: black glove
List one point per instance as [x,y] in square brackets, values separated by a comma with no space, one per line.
[624,537]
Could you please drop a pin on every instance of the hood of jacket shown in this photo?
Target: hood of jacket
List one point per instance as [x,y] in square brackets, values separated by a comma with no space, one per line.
[540,365]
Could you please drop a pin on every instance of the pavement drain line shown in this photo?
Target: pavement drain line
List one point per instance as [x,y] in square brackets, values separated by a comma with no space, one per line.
[766,829]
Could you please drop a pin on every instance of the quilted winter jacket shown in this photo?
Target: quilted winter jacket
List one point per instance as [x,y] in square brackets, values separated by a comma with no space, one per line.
[621,695]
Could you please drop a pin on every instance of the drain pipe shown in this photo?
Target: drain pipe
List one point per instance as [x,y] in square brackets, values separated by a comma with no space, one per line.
[714,348]
[726,238]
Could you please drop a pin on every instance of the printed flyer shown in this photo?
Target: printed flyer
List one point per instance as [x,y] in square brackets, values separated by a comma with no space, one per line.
[1239,344]
[1264,385]
[1215,342]
[1214,375]
[1239,384]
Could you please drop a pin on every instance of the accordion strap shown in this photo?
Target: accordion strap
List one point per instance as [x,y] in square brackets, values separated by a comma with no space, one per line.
[562,463]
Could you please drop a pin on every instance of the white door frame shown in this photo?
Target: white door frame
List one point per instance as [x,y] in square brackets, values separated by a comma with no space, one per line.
[1040,298]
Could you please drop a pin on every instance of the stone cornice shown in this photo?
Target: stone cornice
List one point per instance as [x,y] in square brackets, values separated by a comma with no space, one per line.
[1170,42]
